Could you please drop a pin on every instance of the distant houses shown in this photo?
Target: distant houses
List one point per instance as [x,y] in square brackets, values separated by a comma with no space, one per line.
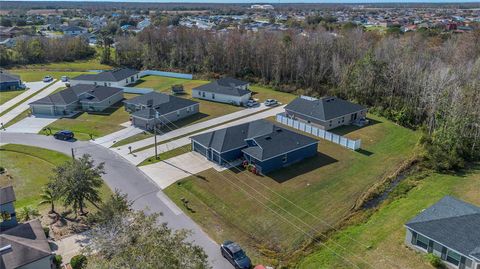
[158,109]
[225,90]
[261,144]
[82,97]
[326,113]
[74,30]
[9,82]
[114,78]
[450,229]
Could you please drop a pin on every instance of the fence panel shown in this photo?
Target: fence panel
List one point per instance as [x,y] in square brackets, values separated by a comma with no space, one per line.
[136,90]
[165,74]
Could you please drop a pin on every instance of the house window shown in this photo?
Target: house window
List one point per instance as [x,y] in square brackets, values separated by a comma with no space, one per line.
[284,159]
[422,241]
[330,123]
[126,81]
[343,119]
[188,109]
[95,83]
[105,84]
[213,96]
[453,257]
[178,113]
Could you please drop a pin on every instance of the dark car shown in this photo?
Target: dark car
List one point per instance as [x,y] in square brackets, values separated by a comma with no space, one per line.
[64,135]
[235,255]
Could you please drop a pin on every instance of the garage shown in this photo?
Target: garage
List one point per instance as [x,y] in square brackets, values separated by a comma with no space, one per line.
[199,148]
[42,110]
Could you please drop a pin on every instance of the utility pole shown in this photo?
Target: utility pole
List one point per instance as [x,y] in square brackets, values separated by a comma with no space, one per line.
[73,154]
[155,135]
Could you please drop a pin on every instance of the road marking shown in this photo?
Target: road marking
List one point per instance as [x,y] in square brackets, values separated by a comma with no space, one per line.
[173,207]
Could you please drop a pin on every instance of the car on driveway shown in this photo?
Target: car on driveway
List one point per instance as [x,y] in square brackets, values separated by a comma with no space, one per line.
[235,255]
[252,103]
[64,78]
[47,78]
[64,135]
[271,102]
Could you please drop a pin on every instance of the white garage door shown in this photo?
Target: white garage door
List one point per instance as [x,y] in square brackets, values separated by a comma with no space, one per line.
[42,110]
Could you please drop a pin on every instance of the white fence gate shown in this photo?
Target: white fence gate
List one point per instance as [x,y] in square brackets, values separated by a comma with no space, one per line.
[337,139]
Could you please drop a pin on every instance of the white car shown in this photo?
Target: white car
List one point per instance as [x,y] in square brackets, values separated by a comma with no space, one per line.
[252,103]
[64,78]
[47,78]
[270,102]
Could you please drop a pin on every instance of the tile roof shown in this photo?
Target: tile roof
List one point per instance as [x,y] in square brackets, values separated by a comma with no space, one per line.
[113,75]
[227,86]
[7,195]
[452,223]
[28,244]
[324,109]
[160,103]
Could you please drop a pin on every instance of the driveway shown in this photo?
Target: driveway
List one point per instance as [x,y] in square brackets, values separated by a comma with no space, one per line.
[110,139]
[32,124]
[167,172]
[10,115]
[122,175]
[33,87]
[70,246]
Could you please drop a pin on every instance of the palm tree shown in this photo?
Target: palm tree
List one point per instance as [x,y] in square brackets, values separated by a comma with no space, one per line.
[49,196]
[27,213]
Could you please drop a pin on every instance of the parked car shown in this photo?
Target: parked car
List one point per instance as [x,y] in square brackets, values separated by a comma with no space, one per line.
[252,103]
[271,102]
[47,78]
[64,78]
[235,255]
[64,135]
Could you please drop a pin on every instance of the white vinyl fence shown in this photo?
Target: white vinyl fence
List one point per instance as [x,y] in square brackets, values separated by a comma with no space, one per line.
[165,74]
[308,128]
[136,90]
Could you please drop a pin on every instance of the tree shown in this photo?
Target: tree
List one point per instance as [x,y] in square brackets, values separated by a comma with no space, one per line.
[117,204]
[79,181]
[49,196]
[78,261]
[28,213]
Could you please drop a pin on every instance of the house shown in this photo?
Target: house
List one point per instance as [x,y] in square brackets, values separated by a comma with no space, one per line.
[7,209]
[82,97]
[157,109]
[9,82]
[225,90]
[260,143]
[74,30]
[450,229]
[114,78]
[326,113]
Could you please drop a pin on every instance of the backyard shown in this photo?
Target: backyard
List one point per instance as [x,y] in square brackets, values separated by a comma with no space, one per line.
[267,214]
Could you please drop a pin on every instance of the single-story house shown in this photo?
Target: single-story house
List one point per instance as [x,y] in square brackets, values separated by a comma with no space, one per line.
[82,97]
[261,143]
[326,112]
[9,82]
[450,229]
[7,208]
[74,30]
[225,90]
[114,78]
[158,109]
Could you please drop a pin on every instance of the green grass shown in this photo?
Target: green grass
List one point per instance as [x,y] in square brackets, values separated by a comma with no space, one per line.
[262,93]
[382,234]
[8,95]
[133,138]
[28,170]
[29,75]
[167,155]
[25,99]
[327,185]
[91,64]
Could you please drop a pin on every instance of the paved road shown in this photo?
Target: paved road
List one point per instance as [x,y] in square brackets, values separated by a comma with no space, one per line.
[10,115]
[33,87]
[127,178]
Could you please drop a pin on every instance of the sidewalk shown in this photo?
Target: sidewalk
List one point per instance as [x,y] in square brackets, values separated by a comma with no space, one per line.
[110,139]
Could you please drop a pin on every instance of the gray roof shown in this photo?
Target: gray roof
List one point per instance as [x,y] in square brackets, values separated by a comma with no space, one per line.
[325,108]
[113,75]
[452,223]
[72,94]
[272,139]
[28,244]
[7,195]
[7,77]
[158,103]
[227,86]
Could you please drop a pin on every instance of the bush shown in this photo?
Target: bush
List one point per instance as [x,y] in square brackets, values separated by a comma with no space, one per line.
[2,169]
[434,260]
[78,261]
[46,230]
[57,260]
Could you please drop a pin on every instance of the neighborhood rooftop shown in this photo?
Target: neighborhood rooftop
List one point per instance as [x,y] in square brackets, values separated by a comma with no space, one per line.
[114,75]
[155,102]
[227,86]
[70,95]
[325,108]
[7,77]
[452,223]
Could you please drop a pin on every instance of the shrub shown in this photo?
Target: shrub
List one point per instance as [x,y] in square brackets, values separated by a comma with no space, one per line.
[46,230]
[2,169]
[434,260]
[78,261]
[57,260]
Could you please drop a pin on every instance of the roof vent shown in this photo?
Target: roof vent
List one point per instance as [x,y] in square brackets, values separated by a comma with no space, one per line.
[309,98]
[5,248]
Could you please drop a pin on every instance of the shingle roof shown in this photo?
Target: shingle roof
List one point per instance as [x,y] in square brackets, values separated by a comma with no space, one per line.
[453,223]
[7,195]
[325,108]
[114,75]
[225,86]
[71,95]
[7,77]
[160,103]
[234,137]
[28,244]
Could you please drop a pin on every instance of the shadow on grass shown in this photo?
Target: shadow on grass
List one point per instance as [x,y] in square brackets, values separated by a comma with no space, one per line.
[109,111]
[302,167]
[346,129]
[183,122]
[364,152]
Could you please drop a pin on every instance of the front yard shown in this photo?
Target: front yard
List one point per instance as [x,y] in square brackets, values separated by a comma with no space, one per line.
[8,95]
[311,195]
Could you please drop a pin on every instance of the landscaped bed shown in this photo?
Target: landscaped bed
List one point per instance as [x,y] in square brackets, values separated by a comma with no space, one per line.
[327,185]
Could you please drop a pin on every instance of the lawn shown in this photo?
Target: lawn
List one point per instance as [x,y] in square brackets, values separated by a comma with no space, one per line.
[8,95]
[29,75]
[326,185]
[28,170]
[379,239]
[167,155]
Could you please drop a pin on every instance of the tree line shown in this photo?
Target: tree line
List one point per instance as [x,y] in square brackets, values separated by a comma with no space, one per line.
[416,80]
[32,50]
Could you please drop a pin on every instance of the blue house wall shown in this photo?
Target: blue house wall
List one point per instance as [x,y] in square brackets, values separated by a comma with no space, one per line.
[8,208]
[275,163]
[9,85]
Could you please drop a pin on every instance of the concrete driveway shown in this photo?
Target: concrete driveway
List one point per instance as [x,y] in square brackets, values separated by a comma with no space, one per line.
[33,87]
[70,246]
[32,124]
[110,139]
[167,172]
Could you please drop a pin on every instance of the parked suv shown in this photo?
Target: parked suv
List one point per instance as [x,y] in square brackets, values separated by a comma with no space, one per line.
[64,135]
[271,102]
[64,78]
[47,78]
[235,255]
